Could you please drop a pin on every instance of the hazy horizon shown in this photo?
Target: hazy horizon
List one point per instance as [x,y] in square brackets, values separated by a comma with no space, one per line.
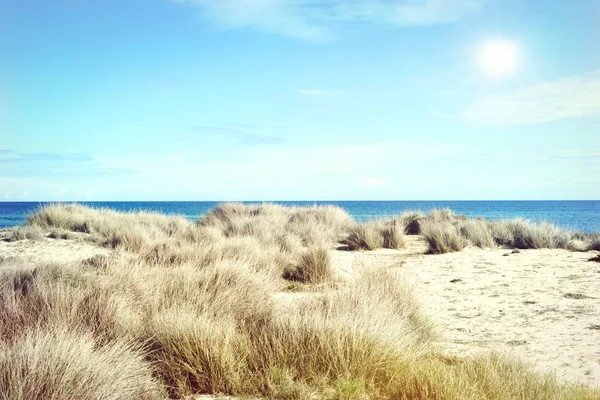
[181,100]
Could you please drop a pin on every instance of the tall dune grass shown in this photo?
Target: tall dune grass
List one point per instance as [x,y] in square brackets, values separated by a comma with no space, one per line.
[445,231]
[286,232]
[374,235]
[58,364]
[314,266]
[442,237]
[528,235]
[32,232]
[180,309]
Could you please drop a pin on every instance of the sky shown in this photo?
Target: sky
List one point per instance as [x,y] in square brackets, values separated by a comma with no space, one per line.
[116,100]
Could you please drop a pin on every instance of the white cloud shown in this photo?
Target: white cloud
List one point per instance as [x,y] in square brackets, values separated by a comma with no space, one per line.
[572,97]
[374,182]
[317,20]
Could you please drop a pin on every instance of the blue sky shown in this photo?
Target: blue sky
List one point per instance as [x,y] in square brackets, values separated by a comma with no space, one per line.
[297,100]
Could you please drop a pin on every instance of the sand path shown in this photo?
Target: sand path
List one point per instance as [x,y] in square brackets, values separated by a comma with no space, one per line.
[49,251]
[541,305]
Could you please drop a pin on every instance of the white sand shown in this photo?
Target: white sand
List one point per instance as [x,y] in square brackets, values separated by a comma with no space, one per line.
[49,251]
[540,305]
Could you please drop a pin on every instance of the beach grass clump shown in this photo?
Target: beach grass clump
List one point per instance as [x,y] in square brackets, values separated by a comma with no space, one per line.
[366,236]
[439,226]
[60,233]
[443,214]
[66,296]
[227,289]
[128,238]
[25,232]
[273,224]
[59,364]
[196,355]
[99,262]
[411,221]
[578,245]
[131,231]
[585,241]
[275,237]
[393,235]
[477,232]
[442,236]
[313,266]
[362,331]
[524,234]
[483,376]
[375,235]
[72,217]
[79,218]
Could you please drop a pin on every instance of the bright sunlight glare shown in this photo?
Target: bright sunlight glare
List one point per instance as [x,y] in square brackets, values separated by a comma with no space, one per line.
[498,58]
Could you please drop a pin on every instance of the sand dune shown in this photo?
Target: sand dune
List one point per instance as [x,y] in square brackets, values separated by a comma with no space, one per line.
[270,301]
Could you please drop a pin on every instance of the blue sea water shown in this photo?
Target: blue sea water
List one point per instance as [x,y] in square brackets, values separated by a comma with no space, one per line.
[582,216]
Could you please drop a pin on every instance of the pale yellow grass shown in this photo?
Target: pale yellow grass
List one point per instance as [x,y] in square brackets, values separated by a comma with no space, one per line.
[445,231]
[60,364]
[195,307]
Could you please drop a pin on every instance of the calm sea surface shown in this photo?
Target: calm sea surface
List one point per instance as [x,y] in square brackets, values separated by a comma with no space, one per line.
[582,216]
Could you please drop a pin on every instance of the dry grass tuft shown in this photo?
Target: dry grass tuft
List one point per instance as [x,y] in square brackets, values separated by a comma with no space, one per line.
[364,331]
[25,232]
[99,261]
[375,235]
[446,231]
[442,237]
[393,237]
[364,237]
[59,233]
[578,245]
[523,234]
[60,364]
[477,232]
[131,231]
[497,377]
[411,221]
[196,355]
[314,266]
[273,224]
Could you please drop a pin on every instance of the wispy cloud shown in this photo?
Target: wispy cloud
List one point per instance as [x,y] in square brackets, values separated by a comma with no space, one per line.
[320,92]
[240,136]
[550,155]
[28,158]
[318,20]
[54,165]
[572,97]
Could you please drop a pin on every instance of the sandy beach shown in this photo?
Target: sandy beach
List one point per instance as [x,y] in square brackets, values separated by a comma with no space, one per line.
[540,305]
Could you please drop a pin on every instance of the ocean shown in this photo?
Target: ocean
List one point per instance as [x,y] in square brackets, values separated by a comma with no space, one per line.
[582,216]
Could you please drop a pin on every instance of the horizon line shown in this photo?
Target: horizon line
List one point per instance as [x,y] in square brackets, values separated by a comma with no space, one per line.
[269,201]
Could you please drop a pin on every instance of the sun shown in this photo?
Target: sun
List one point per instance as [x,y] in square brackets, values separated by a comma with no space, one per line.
[498,58]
